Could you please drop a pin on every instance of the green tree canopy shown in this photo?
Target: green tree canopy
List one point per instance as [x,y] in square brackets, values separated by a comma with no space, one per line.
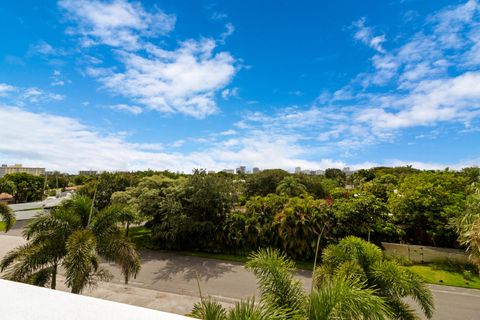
[424,205]
[264,182]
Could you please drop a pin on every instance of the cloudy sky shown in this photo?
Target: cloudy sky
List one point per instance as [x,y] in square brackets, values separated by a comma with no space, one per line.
[126,85]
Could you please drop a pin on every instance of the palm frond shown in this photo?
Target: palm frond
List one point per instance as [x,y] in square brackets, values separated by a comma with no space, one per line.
[41,277]
[346,298]
[22,262]
[278,287]
[209,309]
[7,216]
[249,310]
[81,260]
[395,282]
[107,221]
[121,251]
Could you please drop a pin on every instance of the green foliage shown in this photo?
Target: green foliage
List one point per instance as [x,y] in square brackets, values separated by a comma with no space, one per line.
[74,235]
[298,224]
[183,213]
[26,187]
[283,297]
[57,180]
[424,205]
[104,185]
[275,280]
[264,182]
[7,186]
[452,265]
[363,215]
[390,281]
[290,186]
[314,184]
[6,216]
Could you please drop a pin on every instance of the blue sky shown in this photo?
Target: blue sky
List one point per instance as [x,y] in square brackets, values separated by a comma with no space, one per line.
[124,85]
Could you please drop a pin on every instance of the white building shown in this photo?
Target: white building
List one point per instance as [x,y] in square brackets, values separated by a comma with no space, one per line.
[6,169]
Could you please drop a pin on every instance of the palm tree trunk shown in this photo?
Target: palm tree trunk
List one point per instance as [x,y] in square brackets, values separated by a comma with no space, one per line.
[54,277]
[127,228]
[126,277]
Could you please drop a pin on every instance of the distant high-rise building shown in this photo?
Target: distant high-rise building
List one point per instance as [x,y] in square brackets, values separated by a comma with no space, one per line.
[87,172]
[298,170]
[241,170]
[6,169]
[255,170]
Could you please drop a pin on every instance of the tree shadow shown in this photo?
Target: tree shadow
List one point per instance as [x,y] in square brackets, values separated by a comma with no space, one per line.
[189,268]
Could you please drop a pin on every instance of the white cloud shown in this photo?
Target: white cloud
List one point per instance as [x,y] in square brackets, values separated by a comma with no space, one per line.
[218,16]
[181,81]
[45,49]
[184,80]
[366,35]
[230,92]
[135,110]
[452,99]
[5,88]
[116,23]
[62,143]
[229,30]
[228,132]
[426,81]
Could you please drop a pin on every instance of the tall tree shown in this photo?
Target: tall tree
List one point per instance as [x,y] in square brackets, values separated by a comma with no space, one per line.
[291,187]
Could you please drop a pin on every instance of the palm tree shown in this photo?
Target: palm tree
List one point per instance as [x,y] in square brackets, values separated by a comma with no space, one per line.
[291,187]
[283,297]
[391,282]
[74,236]
[7,216]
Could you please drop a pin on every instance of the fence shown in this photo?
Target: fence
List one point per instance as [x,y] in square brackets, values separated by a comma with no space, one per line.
[423,253]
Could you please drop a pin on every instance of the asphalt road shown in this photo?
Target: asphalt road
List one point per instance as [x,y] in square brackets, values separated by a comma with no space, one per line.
[168,272]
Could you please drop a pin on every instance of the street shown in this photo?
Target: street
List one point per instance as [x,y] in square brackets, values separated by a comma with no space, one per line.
[174,278]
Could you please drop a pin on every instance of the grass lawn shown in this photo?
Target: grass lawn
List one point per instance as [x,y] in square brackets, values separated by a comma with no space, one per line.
[443,277]
[141,236]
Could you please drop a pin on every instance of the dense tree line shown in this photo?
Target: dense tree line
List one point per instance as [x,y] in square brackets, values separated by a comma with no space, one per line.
[239,213]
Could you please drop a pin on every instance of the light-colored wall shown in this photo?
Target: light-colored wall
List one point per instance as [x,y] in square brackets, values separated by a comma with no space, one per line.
[423,253]
[15,169]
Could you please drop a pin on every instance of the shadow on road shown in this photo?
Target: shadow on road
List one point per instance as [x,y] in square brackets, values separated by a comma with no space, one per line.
[16,230]
[187,267]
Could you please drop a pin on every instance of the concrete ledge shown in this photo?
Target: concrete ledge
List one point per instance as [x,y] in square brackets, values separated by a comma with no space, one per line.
[31,302]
